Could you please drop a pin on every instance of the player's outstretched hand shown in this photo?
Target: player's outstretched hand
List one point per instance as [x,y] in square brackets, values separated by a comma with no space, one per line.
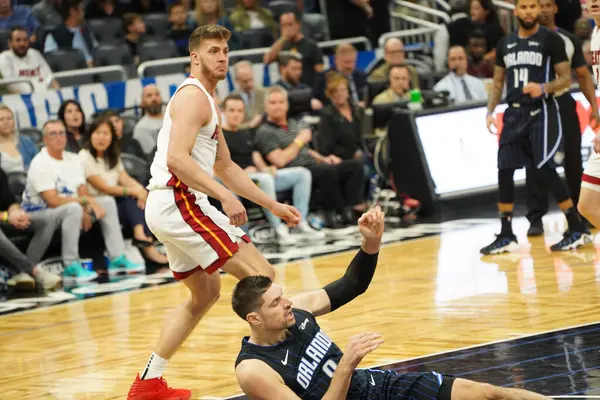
[235,211]
[372,223]
[360,345]
[288,213]
[490,122]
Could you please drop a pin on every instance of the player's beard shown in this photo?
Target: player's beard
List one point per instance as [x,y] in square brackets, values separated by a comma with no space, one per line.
[527,25]
[208,72]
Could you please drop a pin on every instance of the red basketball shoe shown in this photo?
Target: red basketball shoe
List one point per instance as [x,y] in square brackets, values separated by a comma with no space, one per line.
[155,389]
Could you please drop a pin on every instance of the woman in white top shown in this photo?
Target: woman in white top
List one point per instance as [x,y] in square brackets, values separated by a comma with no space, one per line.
[105,174]
[16,151]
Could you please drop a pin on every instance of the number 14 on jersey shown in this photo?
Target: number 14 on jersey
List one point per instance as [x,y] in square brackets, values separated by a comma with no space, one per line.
[522,75]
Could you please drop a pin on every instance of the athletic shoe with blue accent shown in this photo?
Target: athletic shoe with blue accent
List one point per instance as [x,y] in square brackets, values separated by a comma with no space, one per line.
[502,244]
[572,240]
[123,264]
[74,273]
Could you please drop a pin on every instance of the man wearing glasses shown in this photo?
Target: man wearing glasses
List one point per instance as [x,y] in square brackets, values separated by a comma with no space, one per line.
[56,180]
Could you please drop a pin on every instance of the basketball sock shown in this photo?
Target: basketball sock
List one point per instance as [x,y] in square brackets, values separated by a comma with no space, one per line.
[574,220]
[506,221]
[155,367]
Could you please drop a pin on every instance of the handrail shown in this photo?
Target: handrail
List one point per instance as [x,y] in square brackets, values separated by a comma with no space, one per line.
[445,5]
[416,21]
[10,81]
[335,43]
[427,10]
[248,52]
[88,71]
[504,4]
[404,33]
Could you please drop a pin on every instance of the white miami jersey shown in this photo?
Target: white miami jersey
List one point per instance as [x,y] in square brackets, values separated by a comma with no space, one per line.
[595,49]
[204,151]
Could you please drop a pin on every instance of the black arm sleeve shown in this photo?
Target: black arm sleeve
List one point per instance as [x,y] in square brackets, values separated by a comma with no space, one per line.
[355,281]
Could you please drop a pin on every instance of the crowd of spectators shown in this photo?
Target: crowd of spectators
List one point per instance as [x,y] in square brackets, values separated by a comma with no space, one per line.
[78,180]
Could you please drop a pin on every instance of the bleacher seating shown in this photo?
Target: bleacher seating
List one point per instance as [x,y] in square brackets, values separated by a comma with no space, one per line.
[156,50]
[65,60]
[157,25]
[107,30]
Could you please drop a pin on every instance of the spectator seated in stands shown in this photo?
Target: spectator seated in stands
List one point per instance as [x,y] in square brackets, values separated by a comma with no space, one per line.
[73,34]
[248,14]
[394,54]
[345,64]
[18,15]
[16,151]
[478,65]
[146,130]
[72,116]
[452,33]
[283,143]
[340,126]
[56,180]
[42,224]
[461,86]
[20,61]
[484,17]
[104,9]
[583,28]
[253,96]
[269,178]
[399,85]
[587,54]
[293,40]
[290,71]
[134,27]
[127,143]
[46,12]
[106,176]
[179,31]
[212,12]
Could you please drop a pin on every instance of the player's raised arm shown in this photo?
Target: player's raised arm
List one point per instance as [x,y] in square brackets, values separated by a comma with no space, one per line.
[358,276]
[192,113]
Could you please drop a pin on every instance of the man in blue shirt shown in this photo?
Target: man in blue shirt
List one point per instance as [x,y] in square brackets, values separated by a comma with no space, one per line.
[17,16]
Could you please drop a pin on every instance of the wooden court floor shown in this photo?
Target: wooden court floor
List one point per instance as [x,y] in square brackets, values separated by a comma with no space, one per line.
[428,295]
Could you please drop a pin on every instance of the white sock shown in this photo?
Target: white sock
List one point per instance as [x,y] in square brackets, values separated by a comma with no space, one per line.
[154,369]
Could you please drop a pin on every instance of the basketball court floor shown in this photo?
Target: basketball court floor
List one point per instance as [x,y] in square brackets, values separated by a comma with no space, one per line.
[530,319]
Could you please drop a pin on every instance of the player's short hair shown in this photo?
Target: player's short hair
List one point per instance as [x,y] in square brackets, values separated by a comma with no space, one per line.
[276,89]
[517,2]
[476,34]
[207,32]
[230,98]
[247,294]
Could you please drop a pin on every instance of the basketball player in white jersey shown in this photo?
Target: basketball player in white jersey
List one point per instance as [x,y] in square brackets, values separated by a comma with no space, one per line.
[198,238]
[589,199]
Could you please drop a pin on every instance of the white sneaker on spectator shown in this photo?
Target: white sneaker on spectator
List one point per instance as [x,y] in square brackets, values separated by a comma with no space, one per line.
[306,231]
[21,281]
[283,237]
[47,280]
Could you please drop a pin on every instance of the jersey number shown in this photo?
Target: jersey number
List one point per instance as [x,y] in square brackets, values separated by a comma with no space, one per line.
[521,74]
[329,368]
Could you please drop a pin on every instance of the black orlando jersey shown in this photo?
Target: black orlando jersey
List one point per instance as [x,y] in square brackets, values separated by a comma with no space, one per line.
[530,59]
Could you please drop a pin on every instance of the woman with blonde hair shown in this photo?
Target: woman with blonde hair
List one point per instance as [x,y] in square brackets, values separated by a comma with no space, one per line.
[16,151]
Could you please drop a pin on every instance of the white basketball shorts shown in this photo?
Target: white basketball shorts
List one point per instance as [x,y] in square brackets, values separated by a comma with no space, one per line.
[196,235]
[591,174]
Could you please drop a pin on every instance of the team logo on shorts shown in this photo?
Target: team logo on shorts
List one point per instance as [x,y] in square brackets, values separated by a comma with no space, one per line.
[559,156]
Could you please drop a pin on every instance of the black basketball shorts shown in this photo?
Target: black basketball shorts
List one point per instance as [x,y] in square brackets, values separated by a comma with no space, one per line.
[390,385]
